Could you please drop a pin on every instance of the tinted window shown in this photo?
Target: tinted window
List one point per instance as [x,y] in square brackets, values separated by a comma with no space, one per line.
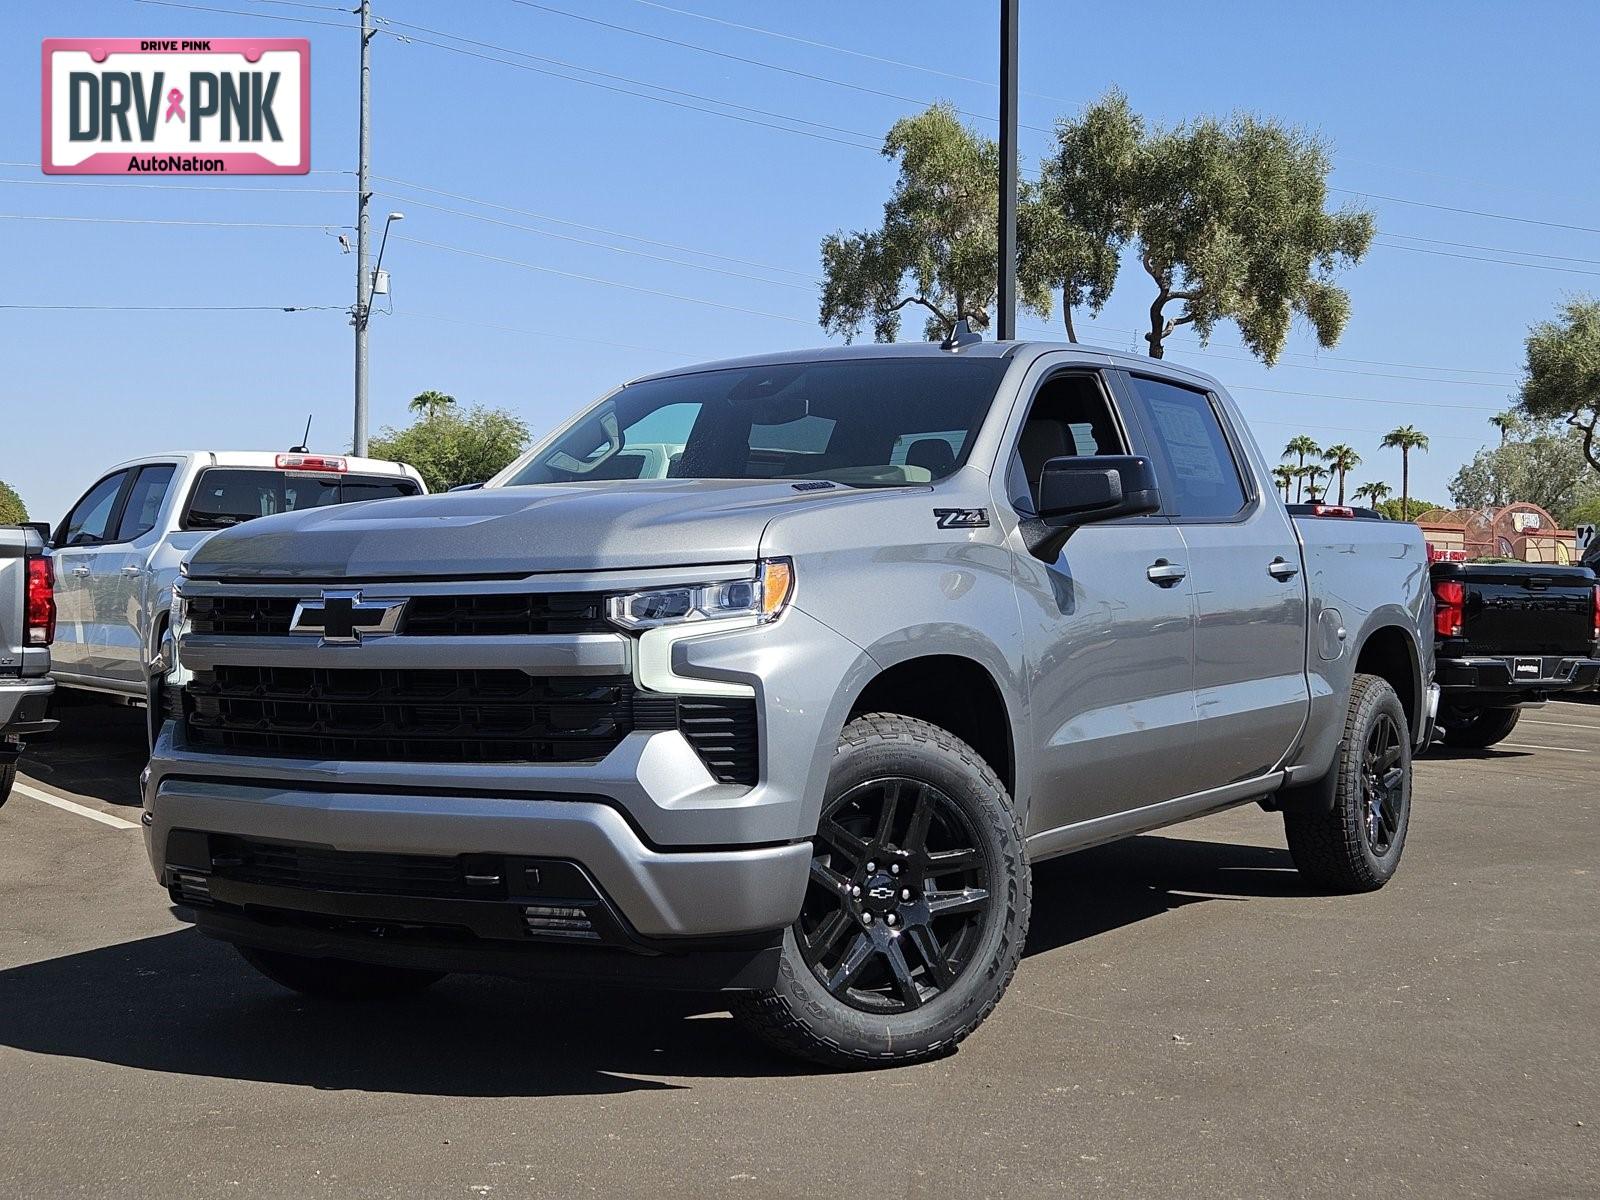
[230,495]
[853,421]
[1070,417]
[86,524]
[144,501]
[1204,475]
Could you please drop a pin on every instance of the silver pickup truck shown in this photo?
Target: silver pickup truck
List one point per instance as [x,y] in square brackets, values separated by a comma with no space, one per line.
[789,709]
[117,550]
[27,626]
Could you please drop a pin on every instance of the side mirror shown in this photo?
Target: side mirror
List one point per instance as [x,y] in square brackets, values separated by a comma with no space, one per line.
[466,487]
[1077,491]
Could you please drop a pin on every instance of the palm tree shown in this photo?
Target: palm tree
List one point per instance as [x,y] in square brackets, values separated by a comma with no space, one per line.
[1341,460]
[1374,493]
[1405,439]
[1313,475]
[1285,476]
[430,404]
[1505,422]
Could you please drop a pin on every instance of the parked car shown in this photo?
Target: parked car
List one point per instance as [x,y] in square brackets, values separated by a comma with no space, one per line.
[1509,636]
[117,551]
[789,709]
[27,626]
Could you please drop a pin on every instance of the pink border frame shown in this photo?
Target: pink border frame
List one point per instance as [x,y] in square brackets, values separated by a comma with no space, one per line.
[115,162]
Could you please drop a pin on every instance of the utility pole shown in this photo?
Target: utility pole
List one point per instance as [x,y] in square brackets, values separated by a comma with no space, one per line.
[363,309]
[1007,322]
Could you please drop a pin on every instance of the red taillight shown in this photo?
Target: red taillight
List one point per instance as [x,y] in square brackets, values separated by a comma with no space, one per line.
[1597,612]
[39,606]
[1332,510]
[1449,602]
[311,462]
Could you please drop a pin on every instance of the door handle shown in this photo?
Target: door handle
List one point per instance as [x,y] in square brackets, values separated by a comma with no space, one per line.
[133,569]
[1164,574]
[80,570]
[1282,569]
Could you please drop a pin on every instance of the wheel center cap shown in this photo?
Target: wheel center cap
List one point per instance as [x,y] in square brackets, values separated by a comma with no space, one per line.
[880,893]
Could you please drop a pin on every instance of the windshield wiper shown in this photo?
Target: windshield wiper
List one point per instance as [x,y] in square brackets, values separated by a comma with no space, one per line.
[203,520]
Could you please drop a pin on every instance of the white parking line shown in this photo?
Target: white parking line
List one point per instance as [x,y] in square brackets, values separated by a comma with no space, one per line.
[1566,725]
[72,806]
[1526,746]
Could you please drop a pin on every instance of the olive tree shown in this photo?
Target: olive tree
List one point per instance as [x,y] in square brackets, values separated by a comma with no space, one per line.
[1537,461]
[12,509]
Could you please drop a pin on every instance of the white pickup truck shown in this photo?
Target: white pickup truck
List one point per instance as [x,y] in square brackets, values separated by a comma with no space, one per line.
[117,551]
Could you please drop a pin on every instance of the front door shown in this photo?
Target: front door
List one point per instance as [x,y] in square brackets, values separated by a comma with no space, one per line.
[1251,694]
[82,639]
[1107,625]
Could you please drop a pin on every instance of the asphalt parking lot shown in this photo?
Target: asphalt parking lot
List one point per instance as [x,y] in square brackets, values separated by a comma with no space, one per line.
[1188,1022]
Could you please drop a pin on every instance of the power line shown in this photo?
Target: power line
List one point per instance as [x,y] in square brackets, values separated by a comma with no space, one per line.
[259,16]
[1411,237]
[565,337]
[168,221]
[287,308]
[175,187]
[870,143]
[760,62]
[1362,399]
[632,237]
[1505,262]
[1471,212]
[527,266]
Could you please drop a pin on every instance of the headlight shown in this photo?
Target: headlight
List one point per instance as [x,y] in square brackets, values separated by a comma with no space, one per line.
[763,598]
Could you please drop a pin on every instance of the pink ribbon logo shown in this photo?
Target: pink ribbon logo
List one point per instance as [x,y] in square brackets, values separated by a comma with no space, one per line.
[174,106]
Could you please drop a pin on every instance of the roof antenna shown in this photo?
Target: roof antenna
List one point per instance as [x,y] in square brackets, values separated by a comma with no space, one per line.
[304,440]
[960,336]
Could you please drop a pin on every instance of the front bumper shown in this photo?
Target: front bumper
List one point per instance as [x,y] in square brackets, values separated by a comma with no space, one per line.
[23,704]
[1506,680]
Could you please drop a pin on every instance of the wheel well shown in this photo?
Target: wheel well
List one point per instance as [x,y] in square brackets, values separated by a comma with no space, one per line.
[1387,654]
[954,693]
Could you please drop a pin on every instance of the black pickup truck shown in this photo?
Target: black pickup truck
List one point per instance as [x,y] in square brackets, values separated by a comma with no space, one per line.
[1508,635]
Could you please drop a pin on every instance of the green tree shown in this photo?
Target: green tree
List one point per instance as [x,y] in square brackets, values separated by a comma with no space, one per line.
[1313,475]
[1561,376]
[449,447]
[12,509]
[1073,224]
[1227,217]
[1396,510]
[1341,460]
[937,246]
[1405,439]
[431,403]
[1302,447]
[1374,493]
[1283,474]
[1538,461]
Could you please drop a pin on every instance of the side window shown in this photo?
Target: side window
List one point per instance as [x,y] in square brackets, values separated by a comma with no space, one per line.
[144,501]
[1204,474]
[1070,416]
[89,521]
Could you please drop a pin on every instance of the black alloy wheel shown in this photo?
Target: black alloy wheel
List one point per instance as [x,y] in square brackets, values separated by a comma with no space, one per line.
[1383,783]
[899,896]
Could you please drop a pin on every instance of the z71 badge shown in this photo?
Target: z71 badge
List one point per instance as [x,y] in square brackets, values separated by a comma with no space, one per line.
[962,518]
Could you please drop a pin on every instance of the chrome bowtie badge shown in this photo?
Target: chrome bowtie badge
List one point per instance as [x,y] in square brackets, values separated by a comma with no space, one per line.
[344,618]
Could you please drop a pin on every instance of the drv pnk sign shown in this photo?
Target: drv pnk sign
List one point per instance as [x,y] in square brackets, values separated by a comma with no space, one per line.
[168,106]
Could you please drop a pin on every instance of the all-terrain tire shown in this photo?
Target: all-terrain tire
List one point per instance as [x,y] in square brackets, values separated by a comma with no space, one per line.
[1480,729]
[337,978]
[800,1017]
[1335,848]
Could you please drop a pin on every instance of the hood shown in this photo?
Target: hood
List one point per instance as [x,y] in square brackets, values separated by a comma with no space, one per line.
[496,531]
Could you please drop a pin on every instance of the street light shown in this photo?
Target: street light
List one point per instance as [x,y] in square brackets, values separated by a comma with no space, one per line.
[377,270]
[363,310]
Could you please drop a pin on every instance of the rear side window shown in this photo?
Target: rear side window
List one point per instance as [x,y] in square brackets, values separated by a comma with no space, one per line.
[88,524]
[1205,477]
[143,505]
[225,496]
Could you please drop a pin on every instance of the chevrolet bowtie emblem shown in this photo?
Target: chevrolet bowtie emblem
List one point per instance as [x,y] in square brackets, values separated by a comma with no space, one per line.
[343,618]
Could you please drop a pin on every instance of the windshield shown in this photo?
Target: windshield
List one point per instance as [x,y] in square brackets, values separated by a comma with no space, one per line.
[226,496]
[865,423]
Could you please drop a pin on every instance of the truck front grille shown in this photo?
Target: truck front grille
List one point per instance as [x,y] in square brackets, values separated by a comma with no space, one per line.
[411,715]
[368,715]
[487,614]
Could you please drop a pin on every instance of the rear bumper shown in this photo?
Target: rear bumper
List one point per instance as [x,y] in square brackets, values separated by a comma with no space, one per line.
[23,704]
[1508,680]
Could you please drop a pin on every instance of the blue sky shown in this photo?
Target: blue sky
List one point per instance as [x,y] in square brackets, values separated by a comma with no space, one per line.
[650,234]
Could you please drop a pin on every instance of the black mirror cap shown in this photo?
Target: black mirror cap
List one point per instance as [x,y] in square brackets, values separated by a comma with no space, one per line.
[466,487]
[1097,487]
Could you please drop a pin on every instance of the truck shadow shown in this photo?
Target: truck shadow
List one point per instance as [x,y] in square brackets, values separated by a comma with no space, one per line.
[182,1003]
[97,751]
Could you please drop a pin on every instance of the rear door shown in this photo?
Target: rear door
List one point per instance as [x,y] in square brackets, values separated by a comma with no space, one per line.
[81,636]
[1107,623]
[1250,688]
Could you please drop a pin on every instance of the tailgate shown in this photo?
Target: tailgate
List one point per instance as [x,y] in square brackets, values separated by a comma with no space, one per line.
[16,543]
[1514,608]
